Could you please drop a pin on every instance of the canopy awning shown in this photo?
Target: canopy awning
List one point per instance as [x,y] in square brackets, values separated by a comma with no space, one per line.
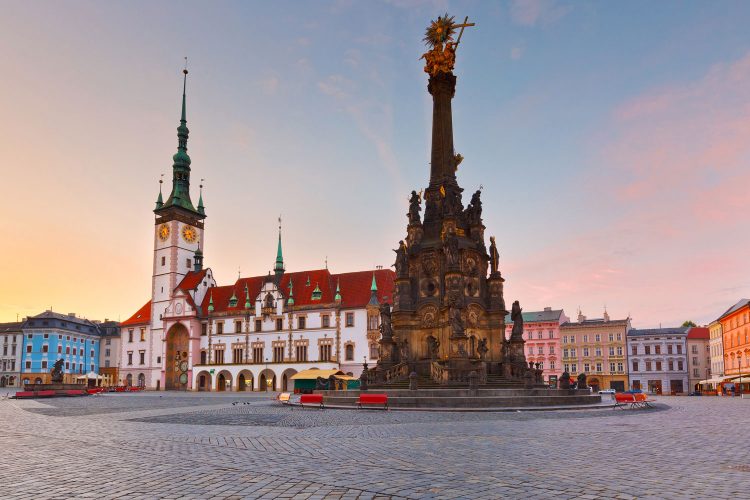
[89,375]
[744,376]
[313,374]
[715,380]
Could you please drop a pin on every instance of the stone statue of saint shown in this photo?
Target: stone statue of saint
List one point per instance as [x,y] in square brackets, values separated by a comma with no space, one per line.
[433,345]
[402,260]
[494,256]
[404,350]
[414,208]
[482,348]
[56,374]
[457,323]
[517,318]
[474,210]
[451,249]
[386,330]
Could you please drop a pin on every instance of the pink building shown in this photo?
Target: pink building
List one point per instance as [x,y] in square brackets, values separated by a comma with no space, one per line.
[541,330]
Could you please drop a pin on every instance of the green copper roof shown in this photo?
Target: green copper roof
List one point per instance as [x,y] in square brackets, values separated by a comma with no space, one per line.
[290,301]
[247,297]
[317,293]
[159,200]
[233,300]
[374,287]
[180,195]
[211,303]
[201,208]
[338,292]
[279,267]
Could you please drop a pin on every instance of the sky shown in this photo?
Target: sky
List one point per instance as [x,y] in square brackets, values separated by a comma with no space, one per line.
[612,141]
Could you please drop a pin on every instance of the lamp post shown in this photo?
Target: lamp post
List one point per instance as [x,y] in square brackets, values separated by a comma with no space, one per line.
[739,363]
[269,381]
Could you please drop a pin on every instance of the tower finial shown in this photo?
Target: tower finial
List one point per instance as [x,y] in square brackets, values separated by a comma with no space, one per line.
[201,208]
[160,200]
[278,268]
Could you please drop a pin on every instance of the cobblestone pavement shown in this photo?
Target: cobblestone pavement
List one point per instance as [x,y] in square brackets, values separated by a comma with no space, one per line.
[170,445]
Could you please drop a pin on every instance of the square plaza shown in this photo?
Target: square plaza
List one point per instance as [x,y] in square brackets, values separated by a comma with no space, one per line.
[193,445]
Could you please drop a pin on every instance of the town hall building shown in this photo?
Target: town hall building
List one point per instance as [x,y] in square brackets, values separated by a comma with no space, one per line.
[254,334]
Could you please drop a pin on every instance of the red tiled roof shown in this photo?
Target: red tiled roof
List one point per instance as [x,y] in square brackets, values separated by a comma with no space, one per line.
[143,315]
[192,279]
[355,287]
[698,332]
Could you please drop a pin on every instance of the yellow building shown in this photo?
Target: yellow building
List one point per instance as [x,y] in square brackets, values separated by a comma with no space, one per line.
[597,347]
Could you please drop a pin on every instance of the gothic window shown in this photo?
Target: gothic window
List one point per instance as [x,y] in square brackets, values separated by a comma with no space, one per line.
[269,301]
[278,354]
[237,355]
[257,354]
[325,352]
[203,357]
[301,353]
[349,352]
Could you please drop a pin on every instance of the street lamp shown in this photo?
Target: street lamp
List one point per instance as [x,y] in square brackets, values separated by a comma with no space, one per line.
[269,381]
[739,392]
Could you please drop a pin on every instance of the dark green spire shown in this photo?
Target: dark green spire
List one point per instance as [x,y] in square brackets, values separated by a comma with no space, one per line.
[159,200]
[373,293]
[211,302]
[201,208]
[278,268]
[247,297]
[290,302]
[180,195]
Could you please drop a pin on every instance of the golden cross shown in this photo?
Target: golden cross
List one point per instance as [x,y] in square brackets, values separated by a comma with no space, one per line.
[466,24]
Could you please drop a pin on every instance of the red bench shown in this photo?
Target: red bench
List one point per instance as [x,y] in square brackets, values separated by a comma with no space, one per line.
[75,392]
[24,394]
[46,394]
[311,399]
[373,399]
[632,400]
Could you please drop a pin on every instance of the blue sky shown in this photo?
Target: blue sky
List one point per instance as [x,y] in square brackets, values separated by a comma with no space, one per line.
[600,132]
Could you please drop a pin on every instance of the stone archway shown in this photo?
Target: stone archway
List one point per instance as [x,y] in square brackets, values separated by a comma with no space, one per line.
[245,381]
[204,381]
[287,384]
[141,380]
[176,362]
[224,381]
[129,380]
[265,377]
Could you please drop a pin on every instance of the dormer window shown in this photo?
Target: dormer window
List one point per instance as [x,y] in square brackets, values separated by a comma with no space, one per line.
[317,294]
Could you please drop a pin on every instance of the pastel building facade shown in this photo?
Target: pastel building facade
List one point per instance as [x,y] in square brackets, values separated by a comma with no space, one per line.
[716,347]
[50,336]
[11,344]
[253,334]
[659,360]
[699,357]
[543,343]
[735,327]
[596,347]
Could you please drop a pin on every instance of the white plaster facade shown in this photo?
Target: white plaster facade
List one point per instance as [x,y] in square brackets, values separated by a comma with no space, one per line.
[658,360]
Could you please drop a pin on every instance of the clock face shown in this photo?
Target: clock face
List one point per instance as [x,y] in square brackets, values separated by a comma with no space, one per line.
[164,232]
[189,234]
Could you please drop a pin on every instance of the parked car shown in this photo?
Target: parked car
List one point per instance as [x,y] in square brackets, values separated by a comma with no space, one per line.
[607,391]
[634,391]
[695,393]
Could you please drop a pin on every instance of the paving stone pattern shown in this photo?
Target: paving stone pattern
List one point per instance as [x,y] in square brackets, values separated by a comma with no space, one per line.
[176,445]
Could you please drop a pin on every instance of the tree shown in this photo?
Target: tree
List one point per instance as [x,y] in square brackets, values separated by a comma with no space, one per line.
[689,323]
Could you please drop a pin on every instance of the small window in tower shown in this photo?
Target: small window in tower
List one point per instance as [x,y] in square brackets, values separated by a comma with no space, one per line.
[163,261]
[188,263]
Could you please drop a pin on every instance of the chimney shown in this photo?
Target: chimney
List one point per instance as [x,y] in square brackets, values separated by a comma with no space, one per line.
[547,309]
[71,315]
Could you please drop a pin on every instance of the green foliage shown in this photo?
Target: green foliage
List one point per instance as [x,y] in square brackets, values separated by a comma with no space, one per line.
[689,323]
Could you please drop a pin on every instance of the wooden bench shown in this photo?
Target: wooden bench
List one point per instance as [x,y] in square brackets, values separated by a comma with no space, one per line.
[373,399]
[311,399]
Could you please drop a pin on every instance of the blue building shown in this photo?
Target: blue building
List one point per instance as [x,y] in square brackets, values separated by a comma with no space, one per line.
[50,336]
